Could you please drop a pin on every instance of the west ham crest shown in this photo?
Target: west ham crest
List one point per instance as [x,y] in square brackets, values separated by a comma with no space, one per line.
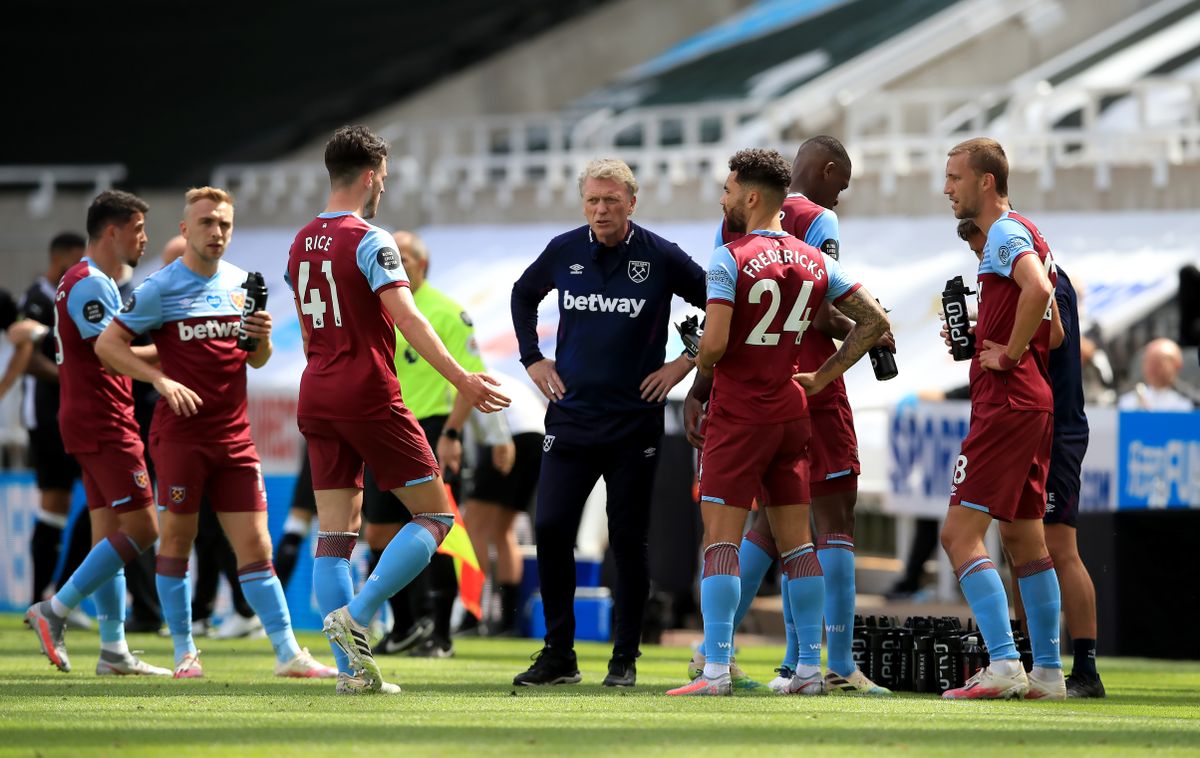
[178,494]
[639,271]
[141,479]
[237,296]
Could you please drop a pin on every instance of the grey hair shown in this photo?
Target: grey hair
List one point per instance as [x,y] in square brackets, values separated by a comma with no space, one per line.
[609,168]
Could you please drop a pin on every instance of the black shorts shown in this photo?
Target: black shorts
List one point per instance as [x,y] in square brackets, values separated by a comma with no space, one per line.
[303,497]
[55,468]
[1062,482]
[514,490]
[381,506]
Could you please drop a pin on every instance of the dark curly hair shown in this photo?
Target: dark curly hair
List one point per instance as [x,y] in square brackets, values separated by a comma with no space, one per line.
[352,150]
[766,170]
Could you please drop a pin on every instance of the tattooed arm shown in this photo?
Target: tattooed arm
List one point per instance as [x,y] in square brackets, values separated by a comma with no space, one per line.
[870,322]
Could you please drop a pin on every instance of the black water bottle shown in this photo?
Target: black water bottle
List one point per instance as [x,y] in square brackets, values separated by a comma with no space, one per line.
[924,673]
[958,323]
[256,300]
[859,647]
[882,361]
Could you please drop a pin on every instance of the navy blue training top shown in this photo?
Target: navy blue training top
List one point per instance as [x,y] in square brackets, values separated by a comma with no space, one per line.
[614,306]
[1066,371]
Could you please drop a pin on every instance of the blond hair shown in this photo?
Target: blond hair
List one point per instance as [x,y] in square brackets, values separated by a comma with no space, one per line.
[609,168]
[216,194]
[986,156]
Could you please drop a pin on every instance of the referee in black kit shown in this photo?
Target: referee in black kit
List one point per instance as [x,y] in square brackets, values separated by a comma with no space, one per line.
[607,386]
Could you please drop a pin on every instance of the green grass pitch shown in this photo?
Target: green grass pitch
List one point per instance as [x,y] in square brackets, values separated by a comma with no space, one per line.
[466,706]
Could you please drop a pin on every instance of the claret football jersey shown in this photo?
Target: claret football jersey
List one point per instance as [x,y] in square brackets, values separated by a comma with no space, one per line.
[818,226]
[775,283]
[337,266]
[95,405]
[194,322]
[1026,387]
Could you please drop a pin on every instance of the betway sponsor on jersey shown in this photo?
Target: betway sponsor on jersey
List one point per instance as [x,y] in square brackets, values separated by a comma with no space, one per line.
[208,330]
[600,303]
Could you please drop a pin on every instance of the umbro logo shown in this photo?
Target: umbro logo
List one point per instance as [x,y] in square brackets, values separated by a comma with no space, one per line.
[649,452]
[577,268]
[1054,641]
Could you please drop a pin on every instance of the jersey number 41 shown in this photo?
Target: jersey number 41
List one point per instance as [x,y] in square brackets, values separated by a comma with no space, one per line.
[313,305]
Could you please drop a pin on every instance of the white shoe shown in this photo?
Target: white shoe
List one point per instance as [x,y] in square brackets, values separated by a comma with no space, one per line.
[989,685]
[782,681]
[51,632]
[236,626]
[856,683]
[201,628]
[351,636]
[126,664]
[189,667]
[304,666]
[720,685]
[354,685]
[1046,684]
[738,677]
[813,684]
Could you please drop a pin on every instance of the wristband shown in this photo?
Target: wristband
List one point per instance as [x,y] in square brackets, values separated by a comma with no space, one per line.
[1006,363]
[451,434]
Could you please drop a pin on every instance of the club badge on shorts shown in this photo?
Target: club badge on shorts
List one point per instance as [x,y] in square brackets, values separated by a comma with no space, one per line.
[141,479]
[178,494]
[639,271]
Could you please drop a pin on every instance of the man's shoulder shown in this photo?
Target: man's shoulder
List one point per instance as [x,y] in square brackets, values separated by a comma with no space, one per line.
[580,237]
[1006,227]
[35,291]
[436,301]
[800,205]
[89,277]
[643,237]
[230,275]
[1062,283]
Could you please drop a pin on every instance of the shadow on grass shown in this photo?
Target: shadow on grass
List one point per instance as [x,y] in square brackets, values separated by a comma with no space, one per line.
[593,739]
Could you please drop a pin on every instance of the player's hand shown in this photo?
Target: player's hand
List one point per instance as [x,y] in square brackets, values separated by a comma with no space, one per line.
[656,386]
[183,401]
[449,454]
[946,335]
[258,326]
[811,382]
[27,330]
[503,457]
[693,420]
[545,378]
[475,387]
[993,354]
[887,341]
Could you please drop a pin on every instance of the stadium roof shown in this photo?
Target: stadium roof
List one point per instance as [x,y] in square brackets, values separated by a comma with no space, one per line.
[172,88]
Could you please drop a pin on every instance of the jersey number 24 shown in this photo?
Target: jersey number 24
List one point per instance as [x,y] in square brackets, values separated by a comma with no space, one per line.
[798,318]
